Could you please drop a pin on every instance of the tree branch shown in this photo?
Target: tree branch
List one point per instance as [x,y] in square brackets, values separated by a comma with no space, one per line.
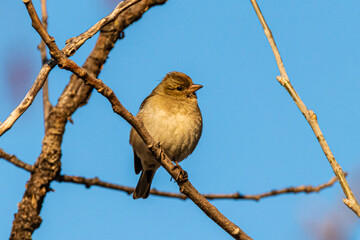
[181,176]
[88,182]
[42,47]
[76,93]
[72,45]
[309,115]
[75,43]
[29,98]
[14,160]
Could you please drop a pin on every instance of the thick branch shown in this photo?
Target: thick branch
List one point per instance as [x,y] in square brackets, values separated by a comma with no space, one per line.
[310,116]
[159,154]
[47,166]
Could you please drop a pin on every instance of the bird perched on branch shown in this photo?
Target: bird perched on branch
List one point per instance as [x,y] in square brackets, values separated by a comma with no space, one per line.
[172,116]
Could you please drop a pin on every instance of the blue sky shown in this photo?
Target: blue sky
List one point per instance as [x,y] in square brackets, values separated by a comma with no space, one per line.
[254,137]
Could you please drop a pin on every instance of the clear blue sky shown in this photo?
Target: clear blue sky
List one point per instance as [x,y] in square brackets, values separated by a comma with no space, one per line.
[254,138]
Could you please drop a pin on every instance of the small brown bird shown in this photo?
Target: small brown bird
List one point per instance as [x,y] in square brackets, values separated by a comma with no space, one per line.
[172,116]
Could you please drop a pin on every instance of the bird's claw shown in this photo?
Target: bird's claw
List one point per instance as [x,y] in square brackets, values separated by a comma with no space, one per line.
[182,175]
[177,166]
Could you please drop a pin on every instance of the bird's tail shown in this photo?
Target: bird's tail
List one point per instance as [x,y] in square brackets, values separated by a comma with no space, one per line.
[142,189]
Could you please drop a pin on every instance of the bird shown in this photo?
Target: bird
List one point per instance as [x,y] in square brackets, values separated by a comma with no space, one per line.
[172,117]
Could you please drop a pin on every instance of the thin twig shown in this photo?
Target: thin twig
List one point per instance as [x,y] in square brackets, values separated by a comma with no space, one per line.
[42,47]
[14,160]
[29,98]
[44,21]
[72,45]
[310,116]
[88,182]
[185,186]
[75,43]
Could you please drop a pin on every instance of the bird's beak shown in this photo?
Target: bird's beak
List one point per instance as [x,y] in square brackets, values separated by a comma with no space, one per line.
[193,88]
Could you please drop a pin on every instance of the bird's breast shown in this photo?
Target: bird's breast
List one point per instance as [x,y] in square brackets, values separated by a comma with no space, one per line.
[178,130]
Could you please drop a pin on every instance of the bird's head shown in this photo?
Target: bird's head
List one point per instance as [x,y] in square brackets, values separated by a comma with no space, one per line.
[178,85]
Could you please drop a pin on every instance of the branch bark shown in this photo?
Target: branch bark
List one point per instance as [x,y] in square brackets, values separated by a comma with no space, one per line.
[309,115]
[29,98]
[47,166]
[14,160]
[88,182]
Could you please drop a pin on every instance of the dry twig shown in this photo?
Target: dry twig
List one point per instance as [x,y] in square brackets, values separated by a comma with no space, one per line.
[88,182]
[14,160]
[73,44]
[309,116]
[29,98]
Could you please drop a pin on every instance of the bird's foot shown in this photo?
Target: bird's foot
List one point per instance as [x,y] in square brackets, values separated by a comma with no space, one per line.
[182,175]
[162,152]
[177,166]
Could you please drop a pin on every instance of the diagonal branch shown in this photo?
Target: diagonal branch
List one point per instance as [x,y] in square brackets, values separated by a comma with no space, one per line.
[14,160]
[72,45]
[181,177]
[75,43]
[29,98]
[88,182]
[309,116]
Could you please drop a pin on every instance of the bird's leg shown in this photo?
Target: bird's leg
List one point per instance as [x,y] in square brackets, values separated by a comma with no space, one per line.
[177,166]
[174,167]
[162,152]
[182,176]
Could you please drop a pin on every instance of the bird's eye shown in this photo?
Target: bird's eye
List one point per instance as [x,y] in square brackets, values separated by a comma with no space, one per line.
[179,88]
